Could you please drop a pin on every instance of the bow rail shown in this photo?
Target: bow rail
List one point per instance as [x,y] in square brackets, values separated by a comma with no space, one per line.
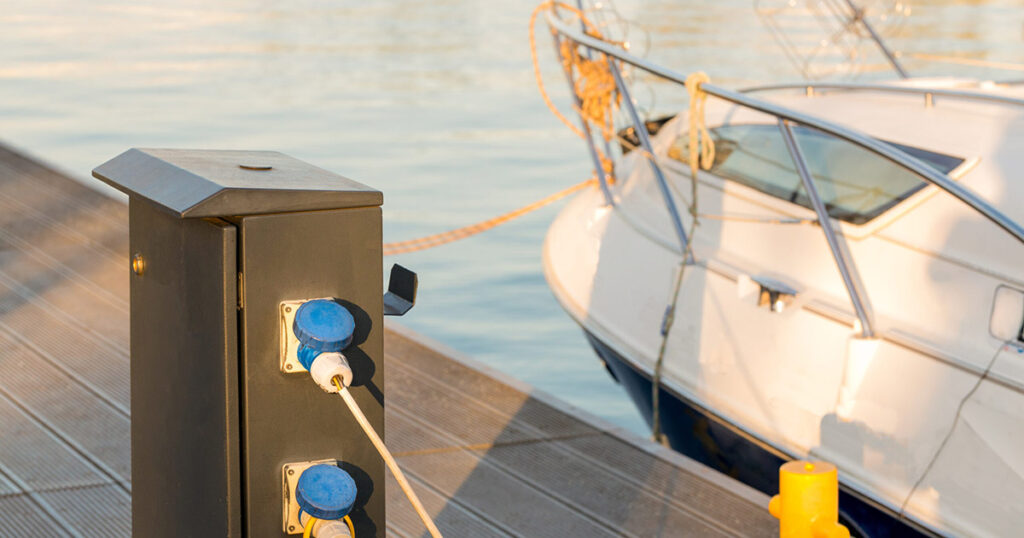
[785,117]
[900,158]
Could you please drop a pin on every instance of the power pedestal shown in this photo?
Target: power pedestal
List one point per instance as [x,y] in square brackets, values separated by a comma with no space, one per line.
[221,242]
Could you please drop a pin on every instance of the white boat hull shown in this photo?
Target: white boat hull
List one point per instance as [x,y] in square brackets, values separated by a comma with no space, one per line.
[924,421]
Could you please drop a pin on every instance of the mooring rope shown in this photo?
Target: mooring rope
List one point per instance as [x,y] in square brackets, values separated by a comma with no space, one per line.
[443,238]
[702,146]
[701,156]
[594,86]
[595,90]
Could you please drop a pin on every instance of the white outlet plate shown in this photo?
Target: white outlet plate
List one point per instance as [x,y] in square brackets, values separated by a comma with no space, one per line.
[290,474]
[289,344]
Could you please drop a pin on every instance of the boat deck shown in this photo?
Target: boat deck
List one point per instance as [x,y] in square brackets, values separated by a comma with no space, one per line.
[488,455]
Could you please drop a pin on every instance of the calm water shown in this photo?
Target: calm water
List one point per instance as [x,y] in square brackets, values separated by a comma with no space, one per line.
[434,103]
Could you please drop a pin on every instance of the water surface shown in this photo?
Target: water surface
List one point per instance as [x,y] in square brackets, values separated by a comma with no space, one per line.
[434,103]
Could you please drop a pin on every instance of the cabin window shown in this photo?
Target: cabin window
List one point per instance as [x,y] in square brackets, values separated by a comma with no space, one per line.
[855,184]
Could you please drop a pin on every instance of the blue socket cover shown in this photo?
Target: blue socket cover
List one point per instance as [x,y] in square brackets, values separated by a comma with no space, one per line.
[322,325]
[325,492]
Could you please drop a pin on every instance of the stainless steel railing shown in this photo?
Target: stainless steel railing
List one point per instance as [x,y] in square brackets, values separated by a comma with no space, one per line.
[900,158]
[927,93]
[786,117]
[846,267]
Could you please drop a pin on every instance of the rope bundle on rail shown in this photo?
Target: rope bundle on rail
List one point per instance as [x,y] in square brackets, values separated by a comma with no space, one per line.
[594,84]
[594,87]
[597,97]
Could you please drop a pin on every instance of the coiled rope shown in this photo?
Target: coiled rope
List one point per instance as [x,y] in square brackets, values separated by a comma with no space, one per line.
[594,84]
[594,87]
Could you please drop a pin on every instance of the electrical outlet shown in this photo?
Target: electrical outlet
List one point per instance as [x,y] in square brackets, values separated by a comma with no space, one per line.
[290,474]
[289,359]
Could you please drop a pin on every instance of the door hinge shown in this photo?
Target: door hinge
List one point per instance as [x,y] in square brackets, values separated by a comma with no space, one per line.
[241,291]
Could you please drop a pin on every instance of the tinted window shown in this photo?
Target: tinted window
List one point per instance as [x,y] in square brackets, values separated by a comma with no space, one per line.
[855,184]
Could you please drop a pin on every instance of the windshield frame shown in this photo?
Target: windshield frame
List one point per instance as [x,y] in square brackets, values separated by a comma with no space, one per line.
[955,167]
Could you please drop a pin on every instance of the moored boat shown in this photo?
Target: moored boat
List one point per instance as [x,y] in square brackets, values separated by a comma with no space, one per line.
[846,286]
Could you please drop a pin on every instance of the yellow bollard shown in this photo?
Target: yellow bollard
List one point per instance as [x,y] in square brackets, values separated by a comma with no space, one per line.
[807,505]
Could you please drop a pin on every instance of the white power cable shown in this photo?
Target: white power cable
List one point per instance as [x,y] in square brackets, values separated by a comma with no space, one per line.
[378,443]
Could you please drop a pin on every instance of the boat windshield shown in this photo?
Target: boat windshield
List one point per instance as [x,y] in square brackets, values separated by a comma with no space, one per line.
[855,184]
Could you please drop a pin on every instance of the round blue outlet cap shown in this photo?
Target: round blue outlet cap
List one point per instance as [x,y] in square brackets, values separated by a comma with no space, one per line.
[325,492]
[324,325]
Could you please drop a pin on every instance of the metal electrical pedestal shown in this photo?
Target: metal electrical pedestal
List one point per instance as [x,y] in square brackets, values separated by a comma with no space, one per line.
[219,239]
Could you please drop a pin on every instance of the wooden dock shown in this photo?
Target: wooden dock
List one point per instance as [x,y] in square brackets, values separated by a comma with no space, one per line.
[488,455]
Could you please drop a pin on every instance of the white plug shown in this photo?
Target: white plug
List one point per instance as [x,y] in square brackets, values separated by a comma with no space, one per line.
[328,365]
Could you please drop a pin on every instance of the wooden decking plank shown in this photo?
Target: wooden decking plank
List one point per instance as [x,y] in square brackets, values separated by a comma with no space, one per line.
[102,316]
[664,483]
[7,487]
[39,240]
[33,183]
[484,489]
[101,277]
[583,484]
[83,224]
[95,391]
[478,390]
[22,517]
[434,403]
[16,293]
[96,511]
[100,365]
[458,410]
[36,460]
[448,514]
[678,485]
[30,173]
[73,413]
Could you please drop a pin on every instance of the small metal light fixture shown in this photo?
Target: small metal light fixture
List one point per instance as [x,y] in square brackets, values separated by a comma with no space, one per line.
[773,294]
[138,264]
[774,299]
